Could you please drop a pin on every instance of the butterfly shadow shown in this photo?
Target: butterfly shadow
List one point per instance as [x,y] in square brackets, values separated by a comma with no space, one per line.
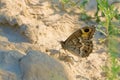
[62,56]
[53,52]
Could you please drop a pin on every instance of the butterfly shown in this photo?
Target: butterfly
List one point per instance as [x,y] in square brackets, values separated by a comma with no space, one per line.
[80,42]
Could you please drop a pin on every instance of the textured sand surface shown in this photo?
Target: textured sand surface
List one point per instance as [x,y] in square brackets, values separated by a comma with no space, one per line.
[39,25]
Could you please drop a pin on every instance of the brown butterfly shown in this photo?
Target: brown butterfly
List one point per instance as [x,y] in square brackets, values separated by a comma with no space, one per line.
[79,43]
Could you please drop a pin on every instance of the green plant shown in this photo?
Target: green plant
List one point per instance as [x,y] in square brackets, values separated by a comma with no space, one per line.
[112,67]
[72,3]
[68,3]
[108,11]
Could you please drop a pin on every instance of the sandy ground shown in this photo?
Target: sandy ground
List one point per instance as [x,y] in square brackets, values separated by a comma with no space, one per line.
[40,25]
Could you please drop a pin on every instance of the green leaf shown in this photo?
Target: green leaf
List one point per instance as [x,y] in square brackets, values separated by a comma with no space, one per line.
[65,1]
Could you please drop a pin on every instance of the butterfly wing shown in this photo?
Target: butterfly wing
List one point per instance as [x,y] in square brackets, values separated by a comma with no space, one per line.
[73,42]
[87,48]
[79,43]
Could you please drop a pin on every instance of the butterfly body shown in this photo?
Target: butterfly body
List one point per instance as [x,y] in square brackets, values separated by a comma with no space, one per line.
[79,43]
